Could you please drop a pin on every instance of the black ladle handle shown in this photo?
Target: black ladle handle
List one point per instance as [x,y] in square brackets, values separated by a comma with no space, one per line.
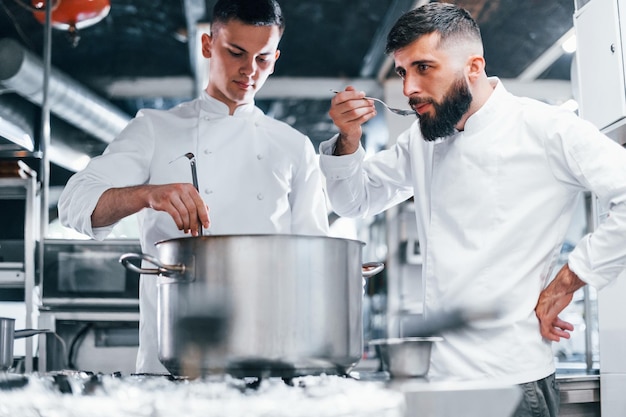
[194,177]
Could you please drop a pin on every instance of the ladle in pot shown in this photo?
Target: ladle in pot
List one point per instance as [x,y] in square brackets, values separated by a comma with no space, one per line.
[194,176]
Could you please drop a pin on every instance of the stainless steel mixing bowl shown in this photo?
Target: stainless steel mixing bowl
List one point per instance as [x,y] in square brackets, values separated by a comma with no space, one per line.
[405,357]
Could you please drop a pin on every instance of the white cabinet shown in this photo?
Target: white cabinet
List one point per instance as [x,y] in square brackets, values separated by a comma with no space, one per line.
[601,34]
[600,62]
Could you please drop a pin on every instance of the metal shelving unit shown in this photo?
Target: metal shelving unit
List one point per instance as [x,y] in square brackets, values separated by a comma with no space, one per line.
[19,238]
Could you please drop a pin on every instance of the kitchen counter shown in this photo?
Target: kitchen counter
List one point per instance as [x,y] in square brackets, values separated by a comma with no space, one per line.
[75,393]
[368,393]
[373,395]
[580,397]
[424,398]
[475,399]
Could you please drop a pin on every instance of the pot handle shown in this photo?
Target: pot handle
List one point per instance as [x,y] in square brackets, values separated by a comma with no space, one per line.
[369,269]
[162,269]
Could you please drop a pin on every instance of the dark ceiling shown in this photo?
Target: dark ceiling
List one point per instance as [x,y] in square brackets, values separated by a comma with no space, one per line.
[139,56]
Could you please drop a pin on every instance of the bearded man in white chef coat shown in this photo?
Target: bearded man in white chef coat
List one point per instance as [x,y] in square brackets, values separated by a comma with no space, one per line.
[255,174]
[495,179]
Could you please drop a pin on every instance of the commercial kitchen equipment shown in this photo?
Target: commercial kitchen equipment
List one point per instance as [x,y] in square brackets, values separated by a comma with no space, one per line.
[8,335]
[19,237]
[87,273]
[91,303]
[102,340]
[405,357]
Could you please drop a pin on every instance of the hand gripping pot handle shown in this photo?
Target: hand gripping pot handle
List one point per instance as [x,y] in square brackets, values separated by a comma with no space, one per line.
[162,269]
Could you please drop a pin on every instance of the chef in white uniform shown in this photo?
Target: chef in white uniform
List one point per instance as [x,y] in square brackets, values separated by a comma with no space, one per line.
[255,174]
[495,180]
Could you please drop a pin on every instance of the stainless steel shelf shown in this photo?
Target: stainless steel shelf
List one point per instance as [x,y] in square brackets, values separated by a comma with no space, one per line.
[579,388]
[17,269]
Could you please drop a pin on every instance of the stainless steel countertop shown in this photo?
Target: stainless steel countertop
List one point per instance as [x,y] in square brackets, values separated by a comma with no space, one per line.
[425,398]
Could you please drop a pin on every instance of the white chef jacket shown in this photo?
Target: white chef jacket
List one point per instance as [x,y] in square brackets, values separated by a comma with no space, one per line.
[493,204]
[256,174]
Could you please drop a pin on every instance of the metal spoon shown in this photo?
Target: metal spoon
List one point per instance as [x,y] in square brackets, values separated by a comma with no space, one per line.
[401,112]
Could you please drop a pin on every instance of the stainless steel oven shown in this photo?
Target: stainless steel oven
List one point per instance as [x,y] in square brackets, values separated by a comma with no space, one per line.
[88,273]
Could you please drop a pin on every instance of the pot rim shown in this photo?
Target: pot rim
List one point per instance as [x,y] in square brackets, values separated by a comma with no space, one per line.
[261,235]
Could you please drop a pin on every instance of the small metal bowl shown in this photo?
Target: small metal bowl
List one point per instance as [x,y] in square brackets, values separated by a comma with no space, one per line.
[407,357]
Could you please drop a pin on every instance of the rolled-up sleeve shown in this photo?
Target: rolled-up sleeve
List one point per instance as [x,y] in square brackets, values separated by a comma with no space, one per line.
[360,186]
[343,182]
[78,201]
[125,162]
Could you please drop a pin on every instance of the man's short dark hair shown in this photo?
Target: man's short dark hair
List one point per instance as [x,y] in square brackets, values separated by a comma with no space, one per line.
[449,20]
[250,12]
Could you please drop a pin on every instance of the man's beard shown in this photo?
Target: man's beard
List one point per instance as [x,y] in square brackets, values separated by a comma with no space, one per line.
[447,113]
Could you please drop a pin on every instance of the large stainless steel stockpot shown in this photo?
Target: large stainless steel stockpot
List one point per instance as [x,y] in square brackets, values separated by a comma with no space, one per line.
[259,305]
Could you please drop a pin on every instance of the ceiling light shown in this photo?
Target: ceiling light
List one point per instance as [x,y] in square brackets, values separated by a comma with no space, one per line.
[71,15]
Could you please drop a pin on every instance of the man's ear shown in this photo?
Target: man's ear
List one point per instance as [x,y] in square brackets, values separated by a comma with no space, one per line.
[475,66]
[206,45]
[276,55]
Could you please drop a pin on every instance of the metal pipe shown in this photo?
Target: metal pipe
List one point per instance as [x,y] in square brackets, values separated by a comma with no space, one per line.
[587,311]
[23,72]
[44,139]
[588,317]
[44,174]
[67,149]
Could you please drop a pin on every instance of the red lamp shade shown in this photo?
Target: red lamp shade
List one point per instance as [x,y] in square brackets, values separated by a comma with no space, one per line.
[72,14]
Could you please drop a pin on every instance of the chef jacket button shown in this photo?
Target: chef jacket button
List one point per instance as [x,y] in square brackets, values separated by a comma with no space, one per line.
[206,118]
[259,196]
[259,157]
[207,191]
[208,152]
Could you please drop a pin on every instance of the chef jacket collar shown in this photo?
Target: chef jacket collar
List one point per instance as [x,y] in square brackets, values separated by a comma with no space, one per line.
[216,108]
[484,115]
